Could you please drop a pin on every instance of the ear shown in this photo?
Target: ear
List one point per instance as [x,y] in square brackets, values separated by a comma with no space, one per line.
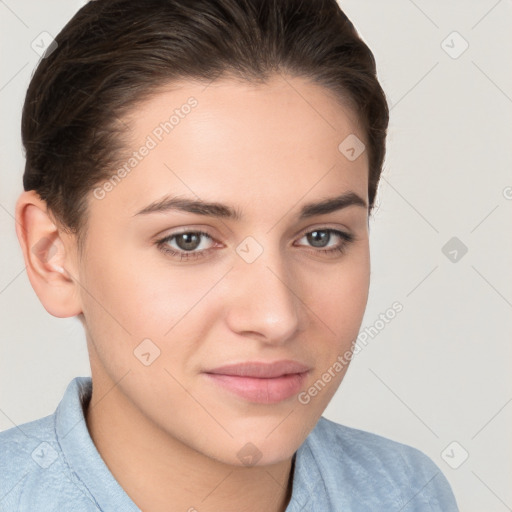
[50,257]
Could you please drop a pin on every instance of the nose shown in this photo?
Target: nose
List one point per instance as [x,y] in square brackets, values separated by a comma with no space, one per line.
[265,302]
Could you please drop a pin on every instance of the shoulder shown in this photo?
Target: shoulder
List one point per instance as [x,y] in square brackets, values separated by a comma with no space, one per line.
[33,470]
[404,475]
[26,447]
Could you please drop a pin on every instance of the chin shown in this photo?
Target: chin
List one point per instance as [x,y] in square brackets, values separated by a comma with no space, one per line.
[268,444]
[258,454]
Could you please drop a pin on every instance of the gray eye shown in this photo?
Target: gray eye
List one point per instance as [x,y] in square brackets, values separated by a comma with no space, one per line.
[319,238]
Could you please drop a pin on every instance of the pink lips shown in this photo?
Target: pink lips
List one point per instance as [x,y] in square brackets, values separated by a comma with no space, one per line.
[265,383]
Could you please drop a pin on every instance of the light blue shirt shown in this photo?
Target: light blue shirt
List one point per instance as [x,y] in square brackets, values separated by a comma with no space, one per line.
[52,465]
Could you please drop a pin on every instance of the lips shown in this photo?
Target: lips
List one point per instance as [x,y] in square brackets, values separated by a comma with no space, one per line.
[261,370]
[259,382]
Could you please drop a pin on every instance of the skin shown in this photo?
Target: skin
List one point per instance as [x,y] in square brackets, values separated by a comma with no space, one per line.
[169,435]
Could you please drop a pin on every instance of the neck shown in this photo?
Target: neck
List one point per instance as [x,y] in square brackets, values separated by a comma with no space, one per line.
[161,474]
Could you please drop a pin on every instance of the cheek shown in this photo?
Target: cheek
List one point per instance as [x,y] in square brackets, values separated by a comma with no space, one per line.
[338,297]
[131,300]
[339,305]
[140,296]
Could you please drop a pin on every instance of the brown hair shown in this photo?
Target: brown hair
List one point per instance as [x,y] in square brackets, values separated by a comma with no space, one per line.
[115,53]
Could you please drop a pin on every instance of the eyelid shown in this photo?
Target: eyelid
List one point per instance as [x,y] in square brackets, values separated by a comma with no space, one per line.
[326,226]
[167,233]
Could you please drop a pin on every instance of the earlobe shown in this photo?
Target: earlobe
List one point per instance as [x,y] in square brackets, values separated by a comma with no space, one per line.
[46,258]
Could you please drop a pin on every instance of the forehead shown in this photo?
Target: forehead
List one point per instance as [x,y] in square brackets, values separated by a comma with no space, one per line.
[257,143]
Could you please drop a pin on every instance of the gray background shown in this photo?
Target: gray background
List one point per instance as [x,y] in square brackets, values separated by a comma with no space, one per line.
[438,375]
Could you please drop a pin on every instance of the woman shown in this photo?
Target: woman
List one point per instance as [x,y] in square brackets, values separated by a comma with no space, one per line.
[198,185]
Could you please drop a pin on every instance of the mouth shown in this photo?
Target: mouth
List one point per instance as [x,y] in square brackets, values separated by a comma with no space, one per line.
[263,383]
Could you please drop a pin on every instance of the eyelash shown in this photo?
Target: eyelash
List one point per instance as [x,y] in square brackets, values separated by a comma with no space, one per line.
[185,256]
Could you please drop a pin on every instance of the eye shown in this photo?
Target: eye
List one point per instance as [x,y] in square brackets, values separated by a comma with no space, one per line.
[321,237]
[186,241]
[189,244]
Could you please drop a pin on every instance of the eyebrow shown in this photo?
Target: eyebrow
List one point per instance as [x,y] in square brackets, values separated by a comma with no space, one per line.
[224,211]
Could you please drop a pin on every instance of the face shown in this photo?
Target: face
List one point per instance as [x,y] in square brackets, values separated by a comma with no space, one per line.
[222,325]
